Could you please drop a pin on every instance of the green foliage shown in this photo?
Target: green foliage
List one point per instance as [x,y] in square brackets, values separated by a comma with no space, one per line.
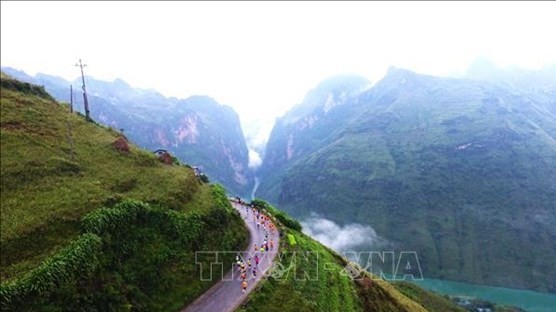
[323,289]
[204,178]
[143,246]
[24,87]
[318,281]
[77,260]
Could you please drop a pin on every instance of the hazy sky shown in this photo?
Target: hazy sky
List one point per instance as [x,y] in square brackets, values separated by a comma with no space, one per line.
[261,58]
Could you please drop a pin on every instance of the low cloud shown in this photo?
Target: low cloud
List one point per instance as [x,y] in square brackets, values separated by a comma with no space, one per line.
[254,159]
[340,238]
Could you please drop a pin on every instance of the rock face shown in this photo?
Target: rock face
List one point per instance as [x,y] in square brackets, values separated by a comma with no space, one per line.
[121,145]
[463,171]
[197,130]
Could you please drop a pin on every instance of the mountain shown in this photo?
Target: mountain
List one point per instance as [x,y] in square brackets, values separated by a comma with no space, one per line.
[463,171]
[196,130]
[306,127]
[88,225]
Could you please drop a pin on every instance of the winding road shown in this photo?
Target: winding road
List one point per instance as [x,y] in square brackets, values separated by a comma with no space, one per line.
[226,295]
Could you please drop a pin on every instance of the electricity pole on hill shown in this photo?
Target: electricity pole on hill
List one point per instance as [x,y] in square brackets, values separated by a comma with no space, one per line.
[87,116]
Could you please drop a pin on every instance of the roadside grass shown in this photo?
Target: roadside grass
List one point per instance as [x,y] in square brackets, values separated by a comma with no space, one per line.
[311,277]
[45,192]
[429,300]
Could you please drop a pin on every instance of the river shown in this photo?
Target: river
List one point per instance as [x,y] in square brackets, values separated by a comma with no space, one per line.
[528,300]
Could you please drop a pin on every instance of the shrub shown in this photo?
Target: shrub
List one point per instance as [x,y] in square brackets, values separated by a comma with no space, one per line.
[204,178]
[74,262]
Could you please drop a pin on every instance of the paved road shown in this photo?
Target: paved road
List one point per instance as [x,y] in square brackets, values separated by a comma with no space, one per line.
[226,295]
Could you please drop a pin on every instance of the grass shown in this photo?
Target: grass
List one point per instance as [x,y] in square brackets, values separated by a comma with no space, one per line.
[331,291]
[317,281]
[430,301]
[43,188]
[45,192]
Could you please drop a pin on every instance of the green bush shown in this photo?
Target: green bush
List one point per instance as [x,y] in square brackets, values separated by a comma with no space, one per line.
[133,250]
[77,260]
[204,178]
[24,87]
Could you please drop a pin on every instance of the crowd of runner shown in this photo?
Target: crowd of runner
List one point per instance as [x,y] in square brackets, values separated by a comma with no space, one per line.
[248,266]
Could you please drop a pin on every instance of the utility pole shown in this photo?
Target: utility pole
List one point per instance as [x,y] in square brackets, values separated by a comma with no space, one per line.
[87,116]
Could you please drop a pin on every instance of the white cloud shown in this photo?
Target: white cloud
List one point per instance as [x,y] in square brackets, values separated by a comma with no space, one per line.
[254,159]
[341,238]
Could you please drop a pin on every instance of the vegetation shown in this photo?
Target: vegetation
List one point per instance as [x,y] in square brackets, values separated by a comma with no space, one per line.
[11,84]
[463,172]
[60,250]
[107,230]
[429,300]
[311,277]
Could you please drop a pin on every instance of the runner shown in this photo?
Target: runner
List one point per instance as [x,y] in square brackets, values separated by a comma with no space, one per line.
[271,244]
[254,273]
[249,262]
[244,286]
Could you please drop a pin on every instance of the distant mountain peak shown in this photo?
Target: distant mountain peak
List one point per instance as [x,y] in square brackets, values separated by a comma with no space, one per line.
[330,92]
[396,77]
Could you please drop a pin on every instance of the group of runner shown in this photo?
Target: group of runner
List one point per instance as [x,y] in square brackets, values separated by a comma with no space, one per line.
[250,266]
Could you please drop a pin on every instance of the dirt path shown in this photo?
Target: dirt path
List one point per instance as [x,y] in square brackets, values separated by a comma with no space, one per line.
[226,295]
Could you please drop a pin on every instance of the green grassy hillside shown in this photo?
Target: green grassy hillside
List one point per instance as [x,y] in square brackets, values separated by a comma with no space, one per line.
[53,258]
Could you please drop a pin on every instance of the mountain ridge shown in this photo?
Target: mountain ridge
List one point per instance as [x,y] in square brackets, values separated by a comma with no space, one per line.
[451,155]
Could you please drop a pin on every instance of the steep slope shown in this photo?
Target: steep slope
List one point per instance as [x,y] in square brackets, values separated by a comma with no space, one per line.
[462,171]
[72,238]
[305,128]
[311,277]
[196,130]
